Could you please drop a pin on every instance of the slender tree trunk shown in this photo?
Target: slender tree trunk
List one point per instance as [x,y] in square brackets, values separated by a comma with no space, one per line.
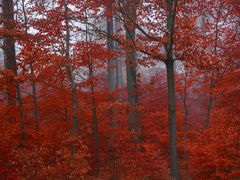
[34,96]
[119,80]
[171,13]
[21,112]
[185,107]
[34,93]
[172,120]
[94,105]
[9,48]
[95,120]
[110,46]
[111,86]
[65,107]
[10,60]
[75,118]
[131,65]
[209,105]
[212,81]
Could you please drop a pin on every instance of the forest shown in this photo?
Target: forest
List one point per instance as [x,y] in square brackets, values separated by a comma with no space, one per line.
[119,89]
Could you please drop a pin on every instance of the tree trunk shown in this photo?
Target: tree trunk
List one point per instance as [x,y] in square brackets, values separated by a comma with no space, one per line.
[21,112]
[10,60]
[9,48]
[119,80]
[75,118]
[95,120]
[209,105]
[64,100]
[171,14]
[186,113]
[94,105]
[111,86]
[131,65]
[34,93]
[212,81]
[172,120]
[110,46]
[34,96]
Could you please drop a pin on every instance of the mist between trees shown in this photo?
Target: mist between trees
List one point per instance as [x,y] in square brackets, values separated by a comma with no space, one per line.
[119,89]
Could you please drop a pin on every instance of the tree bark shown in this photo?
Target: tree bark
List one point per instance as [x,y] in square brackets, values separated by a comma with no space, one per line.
[75,118]
[110,46]
[119,80]
[186,113]
[34,93]
[212,80]
[9,48]
[112,80]
[95,121]
[10,60]
[34,96]
[131,65]
[94,105]
[64,100]
[172,120]
[209,105]
[171,13]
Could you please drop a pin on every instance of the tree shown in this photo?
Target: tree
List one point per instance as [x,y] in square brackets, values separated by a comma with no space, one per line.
[171,14]
[129,12]
[63,50]
[110,46]
[10,60]
[34,93]
[75,117]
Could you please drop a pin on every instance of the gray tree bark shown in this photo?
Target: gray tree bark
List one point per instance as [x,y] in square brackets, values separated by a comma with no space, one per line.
[64,99]
[186,114]
[172,120]
[110,47]
[34,93]
[119,79]
[212,82]
[10,60]
[112,70]
[75,118]
[95,120]
[9,47]
[131,65]
[209,103]
[94,105]
[171,13]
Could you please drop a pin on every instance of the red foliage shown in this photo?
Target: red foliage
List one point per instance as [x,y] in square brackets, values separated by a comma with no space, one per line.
[209,60]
